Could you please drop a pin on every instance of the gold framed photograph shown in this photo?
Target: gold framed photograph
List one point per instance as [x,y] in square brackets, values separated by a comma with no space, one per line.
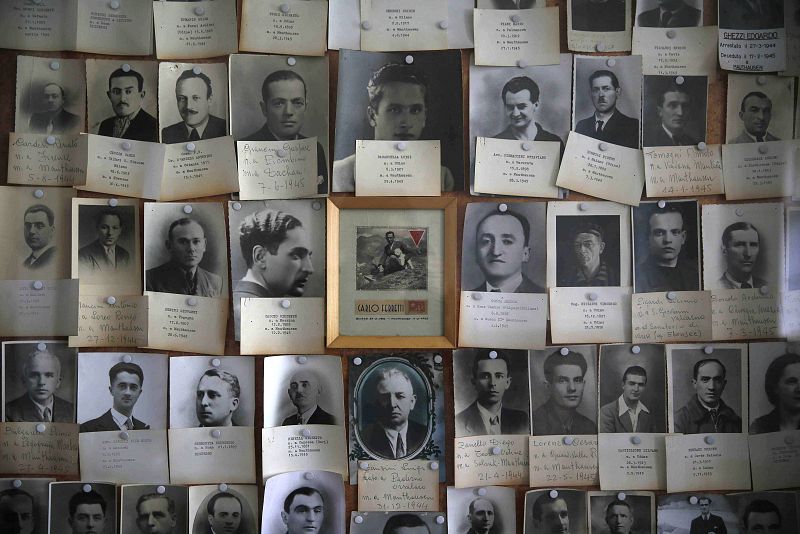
[391,274]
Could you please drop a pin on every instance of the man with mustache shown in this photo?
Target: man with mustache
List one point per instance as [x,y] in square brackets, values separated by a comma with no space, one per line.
[628,413]
[41,376]
[756,114]
[38,230]
[564,380]
[706,412]
[674,107]
[87,513]
[126,93]
[550,516]
[104,253]
[55,119]
[665,269]
[741,244]
[590,268]
[520,97]
[217,398]
[303,511]
[304,391]
[608,123]
[155,514]
[126,386]
[194,97]
[17,512]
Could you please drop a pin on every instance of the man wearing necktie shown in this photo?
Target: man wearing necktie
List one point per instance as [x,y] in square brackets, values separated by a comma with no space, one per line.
[608,123]
[55,119]
[670,14]
[756,114]
[706,522]
[674,109]
[126,93]
[104,254]
[38,230]
[304,391]
[126,386]
[706,412]
[741,244]
[194,97]
[41,377]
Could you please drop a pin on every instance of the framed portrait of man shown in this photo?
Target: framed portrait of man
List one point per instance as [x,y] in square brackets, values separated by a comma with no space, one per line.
[555,510]
[51,96]
[481,510]
[192,101]
[674,110]
[632,512]
[304,502]
[223,508]
[397,523]
[698,512]
[151,509]
[80,508]
[24,504]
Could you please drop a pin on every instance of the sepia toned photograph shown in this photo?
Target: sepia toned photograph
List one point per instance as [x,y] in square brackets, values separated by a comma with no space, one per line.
[397,523]
[504,249]
[234,510]
[24,505]
[192,101]
[491,392]
[79,507]
[774,387]
[39,382]
[107,242]
[563,385]
[698,512]
[743,15]
[766,511]
[588,250]
[51,96]
[211,392]
[383,98]
[666,246]
[548,511]
[488,510]
[391,258]
[669,13]
[303,502]
[303,390]
[627,513]
[754,108]
[151,509]
[674,110]
[707,391]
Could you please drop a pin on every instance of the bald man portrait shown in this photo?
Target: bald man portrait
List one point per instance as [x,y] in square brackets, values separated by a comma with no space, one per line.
[304,391]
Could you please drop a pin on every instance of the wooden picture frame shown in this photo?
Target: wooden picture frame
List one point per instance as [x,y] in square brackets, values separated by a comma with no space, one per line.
[335,339]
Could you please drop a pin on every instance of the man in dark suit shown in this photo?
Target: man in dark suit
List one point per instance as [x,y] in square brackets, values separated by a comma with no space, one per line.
[741,245]
[394,435]
[706,522]
[706,412]
[670,14]
[104,254]
[751,14]
[304,391]
[628,413]
[665,269]
[564,380]
[674,108]
[521,100]
[283,103]
[54,119]
[217,398]
[487,415]
[18,512]
[599,15]
[480,516]
[126,92]
[756,114]
[224,513]
[38,230]
[41,376]
[501,248]
[608,123]
[155,514]
[126,385]
[194,95]
[182,274]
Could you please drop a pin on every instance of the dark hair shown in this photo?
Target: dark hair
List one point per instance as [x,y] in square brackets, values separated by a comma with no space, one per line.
[153,496]
[618,502]
[221,495]
[520,83]
[760,506]
[308,492]
[481,354]
[267,228]
[190,73]
[526,226]
[124,367]
[774,372]
[228,378]
[280,76]
[107,213]
[589,228]
[183,221]
[672,88]
[41,207]
[741,225]
[86,497]
[403,520]
[704,498]
[393,72]
[634,370]
[16,492]
[704,361]
[600,73]
[63,94]
[387,233]
[119,73]
[556,358]
[757,94]
[544,498]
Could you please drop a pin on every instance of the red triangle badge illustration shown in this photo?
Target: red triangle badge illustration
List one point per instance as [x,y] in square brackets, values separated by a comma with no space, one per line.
[416,236]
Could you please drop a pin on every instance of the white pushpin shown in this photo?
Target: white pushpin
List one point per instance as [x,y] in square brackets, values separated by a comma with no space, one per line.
[316,206]
[636,349]
[564,351]
[761,80]
[40,428]
[437,358]
[197,69]
[41,346]
[284,8]
[443,24]
[357,360]
[17,483]
[600,47]
[662,204]
[187,209]
[763,149]
[223,487]
[502,207]
[308,475]
[611,62]
[191,301]
[306,433]
[764,290]
[621,495]
[526,146]
[582,206]
[702,145]
[495,450]
[281,152]
[433,466]
[111,300]
[692,500]
[113,202]
[161,490]
[286,304]
[38,193]
[38,284]
[366,25]
[477,296]
[291,61]
[127,358]
[216,433]
[482,492]
[409,59]
[113,4]
[123,435]
[739,212]
[236,206]
[191,147]
[592,296]
[51,140]
[126,67]
[302,359]
[603,147]
[708,349]
[216,362]
[199,11]
[671,34]
[363,466]
[679,80]
[440,520]
[671,295]
[553,494]
[515,18]
[87,488]
[358,520]
[569,440]
[636,440]
[401,146]
[709,440]
[55,65]
[521,63]
[126,145]
[493,354]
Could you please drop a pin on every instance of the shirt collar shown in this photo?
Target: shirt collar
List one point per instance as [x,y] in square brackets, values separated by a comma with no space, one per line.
[487,416]
[119,418]
[737,284]
[605,118]
[41,407]
[753,137]
[509,286]
[392,435]
[304,416]
[37,253]
[622,407]
[201,128]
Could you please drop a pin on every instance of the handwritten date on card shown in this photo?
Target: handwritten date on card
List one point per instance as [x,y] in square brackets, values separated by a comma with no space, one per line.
[491,460]
[389,486]
[562,460]
[25,450]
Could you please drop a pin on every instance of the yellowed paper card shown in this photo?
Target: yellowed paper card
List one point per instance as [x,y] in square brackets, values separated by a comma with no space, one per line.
[281,326]
[188,30]
[48,25]
[775,460]
[277,169]
[790,315]
[122,28]
[398,168]
[491,460]
[303,448]
[397,485]
[100,324]
[122,167]
[397,25]
[745,313]
[597,41]
[208,455]
[759,170]
[674,316]
[284,27]
[601,169]
[129,457]
[674,51]
[683,171]
[590,314]
[39,449]
[563,460]
[39,307]
[187,324]
[627,463]
[707,462]
[33,160]
[207,170]
[503,320]
[517,168]
[518,37]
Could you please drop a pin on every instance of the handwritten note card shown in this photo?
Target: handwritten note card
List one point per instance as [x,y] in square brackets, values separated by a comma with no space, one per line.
[745,313]
[683,171]
[563,460]
[32,160]
[392,485]
[39,449]
[100,324]
[491,460]
[503,320]
[277,169]
[657,318]
[518,168]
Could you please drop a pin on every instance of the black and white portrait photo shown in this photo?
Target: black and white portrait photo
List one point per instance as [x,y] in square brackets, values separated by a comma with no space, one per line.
[489,510]
[599,16]
[610,514]
[211,392]
[509,4]
[632,385]
[669,13]
[607,98]
[751,15]
[107,244]
[504,247]
[397,523]
[123,98]
[674,110]
[754,108]
[588,250]
[24,505]
[185,250]
[192,101]
[82,508]
[391,258]
[707,389]
[233,511]
[491,392]
[277,250]
[666,246]
[39,382]
[51,96]
[382,97]
[303,390]
[563,384]
[698,513]
[119,391]
[773,512]
[792,269]
[304,502]
[278,101]
[151,509]
[774,387]
[549,511]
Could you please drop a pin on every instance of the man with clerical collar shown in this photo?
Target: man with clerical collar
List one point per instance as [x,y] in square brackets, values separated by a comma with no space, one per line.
[741,244]
[670,14]
[673,107]
[608,123]
[55,119]
[194,97]
[126,381]
[217,398]
[520,97]
[589,269]
[126,92]
[487,415]
[38,229]
[665,269]
[104,253]
[756,114]
[564,378]
[41,376]
[628,413]
[304,391]
[706,522]
[706,412]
